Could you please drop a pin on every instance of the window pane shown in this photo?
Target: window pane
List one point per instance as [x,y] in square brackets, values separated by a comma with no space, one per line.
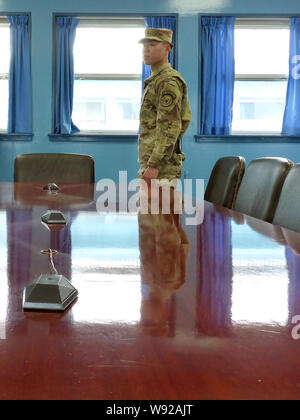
[88,114]
[107,104]
[128,110]
[108,50]
[261,51]
[4,49]
[3,104]
[258,106]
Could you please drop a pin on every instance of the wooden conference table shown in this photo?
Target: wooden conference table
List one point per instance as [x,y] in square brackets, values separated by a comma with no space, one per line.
[163,312]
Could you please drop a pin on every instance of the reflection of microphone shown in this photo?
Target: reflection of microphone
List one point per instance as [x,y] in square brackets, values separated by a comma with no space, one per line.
[54,217]
[51,187]
[53,196]
[50,252]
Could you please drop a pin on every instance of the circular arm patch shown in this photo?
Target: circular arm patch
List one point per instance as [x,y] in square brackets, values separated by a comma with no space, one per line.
[167,99]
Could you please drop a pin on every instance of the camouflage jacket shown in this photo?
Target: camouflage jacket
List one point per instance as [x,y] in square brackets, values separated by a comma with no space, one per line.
[164,117]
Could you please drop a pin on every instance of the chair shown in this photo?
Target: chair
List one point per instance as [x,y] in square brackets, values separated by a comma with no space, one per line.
[54,167]
[287,213]
[260,188]
[225,180]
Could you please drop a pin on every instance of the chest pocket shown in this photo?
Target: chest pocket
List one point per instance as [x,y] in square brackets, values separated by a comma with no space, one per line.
[149,98]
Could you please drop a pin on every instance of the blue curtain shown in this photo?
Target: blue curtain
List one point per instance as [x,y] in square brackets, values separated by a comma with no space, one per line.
[166,22]
[291,119]
[65,75]
[217,84]
[20,95]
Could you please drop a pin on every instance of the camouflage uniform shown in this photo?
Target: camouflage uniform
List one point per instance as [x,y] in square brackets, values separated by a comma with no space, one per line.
[164,118]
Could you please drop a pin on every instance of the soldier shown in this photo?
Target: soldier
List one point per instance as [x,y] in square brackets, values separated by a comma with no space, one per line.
[165,112]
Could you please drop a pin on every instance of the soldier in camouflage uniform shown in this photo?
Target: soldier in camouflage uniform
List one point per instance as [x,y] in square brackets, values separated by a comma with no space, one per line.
[165,111]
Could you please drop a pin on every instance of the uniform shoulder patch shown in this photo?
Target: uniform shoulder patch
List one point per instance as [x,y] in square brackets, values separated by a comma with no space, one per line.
[167,99]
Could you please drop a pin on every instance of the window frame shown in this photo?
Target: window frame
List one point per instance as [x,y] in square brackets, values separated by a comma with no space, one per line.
[90,19]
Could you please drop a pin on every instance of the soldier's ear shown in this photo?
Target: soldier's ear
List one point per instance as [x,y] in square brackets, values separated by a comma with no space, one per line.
[168,47]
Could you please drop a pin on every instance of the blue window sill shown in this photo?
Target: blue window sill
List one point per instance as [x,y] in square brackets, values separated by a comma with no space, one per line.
[279,139]
[15,137]
[121,138]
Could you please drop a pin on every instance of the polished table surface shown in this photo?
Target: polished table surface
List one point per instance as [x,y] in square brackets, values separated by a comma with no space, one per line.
[163,311]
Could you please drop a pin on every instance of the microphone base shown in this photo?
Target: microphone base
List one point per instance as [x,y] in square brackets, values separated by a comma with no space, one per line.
[49,292]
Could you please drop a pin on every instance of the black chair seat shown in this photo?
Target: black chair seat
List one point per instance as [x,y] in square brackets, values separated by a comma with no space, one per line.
[225,180]
[287,213]
[54,168]
[261,185]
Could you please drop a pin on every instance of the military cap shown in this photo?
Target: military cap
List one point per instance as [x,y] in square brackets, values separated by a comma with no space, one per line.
[158,34]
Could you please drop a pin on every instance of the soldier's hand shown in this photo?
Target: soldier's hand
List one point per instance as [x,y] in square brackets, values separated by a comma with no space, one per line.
[150,173]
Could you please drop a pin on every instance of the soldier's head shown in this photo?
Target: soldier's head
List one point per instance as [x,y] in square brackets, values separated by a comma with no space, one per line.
[157,45]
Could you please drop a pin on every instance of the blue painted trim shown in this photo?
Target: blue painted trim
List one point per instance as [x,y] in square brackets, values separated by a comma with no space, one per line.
[113,14]
[16,137]
[253,15]
[108,138]
[4,14]
[247,139]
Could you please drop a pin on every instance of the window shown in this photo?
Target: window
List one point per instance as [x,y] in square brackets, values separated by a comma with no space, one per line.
[261,75]
[89,113]
[128,109]
[108,73]
[4,68]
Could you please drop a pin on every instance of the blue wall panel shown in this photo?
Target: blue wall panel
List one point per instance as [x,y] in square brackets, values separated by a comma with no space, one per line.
[118,155]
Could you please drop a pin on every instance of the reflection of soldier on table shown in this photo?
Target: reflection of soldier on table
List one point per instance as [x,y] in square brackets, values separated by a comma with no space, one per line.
[164,249]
